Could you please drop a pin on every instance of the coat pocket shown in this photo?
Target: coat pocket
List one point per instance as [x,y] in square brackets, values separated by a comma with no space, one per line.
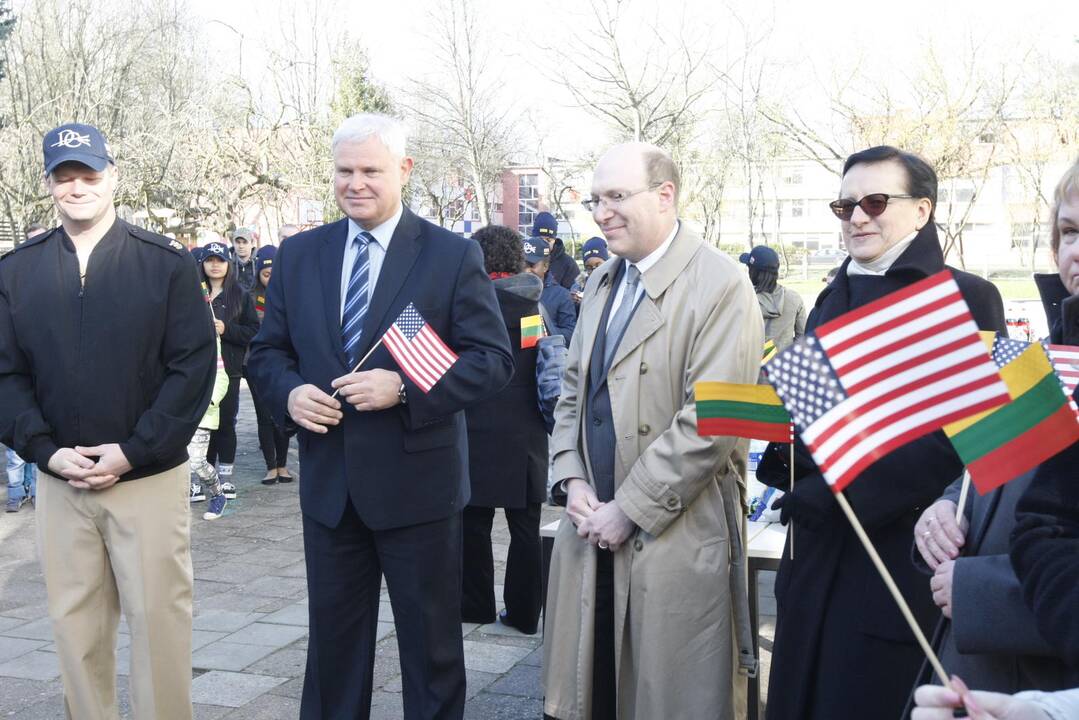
[429,438]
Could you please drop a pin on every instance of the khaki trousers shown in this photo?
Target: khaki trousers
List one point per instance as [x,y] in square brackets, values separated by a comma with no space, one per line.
[129,545]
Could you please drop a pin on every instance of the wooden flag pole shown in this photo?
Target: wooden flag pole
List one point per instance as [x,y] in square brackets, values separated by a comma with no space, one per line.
[887,577]
[361,362]
[962,497]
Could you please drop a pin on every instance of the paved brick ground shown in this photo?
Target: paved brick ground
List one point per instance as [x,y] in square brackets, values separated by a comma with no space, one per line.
[250,625]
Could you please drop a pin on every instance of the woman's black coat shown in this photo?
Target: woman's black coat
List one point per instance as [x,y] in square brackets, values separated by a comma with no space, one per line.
[241,326]
[507,440]
[842,648]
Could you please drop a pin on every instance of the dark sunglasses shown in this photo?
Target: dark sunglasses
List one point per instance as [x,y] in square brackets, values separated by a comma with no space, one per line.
[872,205]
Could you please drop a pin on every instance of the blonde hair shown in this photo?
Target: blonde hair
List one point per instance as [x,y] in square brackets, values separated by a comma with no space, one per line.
[1068,185]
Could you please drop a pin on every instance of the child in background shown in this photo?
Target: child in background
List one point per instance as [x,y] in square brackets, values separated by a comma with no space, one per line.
[196,449]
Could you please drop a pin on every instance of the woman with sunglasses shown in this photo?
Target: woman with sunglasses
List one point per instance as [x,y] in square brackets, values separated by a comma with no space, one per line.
[842,648]
[236,324]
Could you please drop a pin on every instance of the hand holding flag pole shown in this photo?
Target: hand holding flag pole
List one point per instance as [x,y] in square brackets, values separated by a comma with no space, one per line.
[419,351]
[361,362]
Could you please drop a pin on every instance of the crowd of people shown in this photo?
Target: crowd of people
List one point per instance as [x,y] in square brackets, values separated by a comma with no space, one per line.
[126,402]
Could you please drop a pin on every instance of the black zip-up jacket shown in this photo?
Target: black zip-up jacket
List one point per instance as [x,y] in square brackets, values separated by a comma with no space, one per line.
[241,326]
[127,357]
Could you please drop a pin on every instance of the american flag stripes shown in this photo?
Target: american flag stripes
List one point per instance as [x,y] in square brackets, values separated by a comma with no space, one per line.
[418,350]
[1065,359]
[885,374]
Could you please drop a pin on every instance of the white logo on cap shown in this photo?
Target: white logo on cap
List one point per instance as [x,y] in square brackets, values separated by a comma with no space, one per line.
[71,139]
[530,248]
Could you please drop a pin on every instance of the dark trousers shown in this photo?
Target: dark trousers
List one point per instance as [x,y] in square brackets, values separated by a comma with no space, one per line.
[345,565]
[604,687]
[523,590]
[222,446]
[273,442]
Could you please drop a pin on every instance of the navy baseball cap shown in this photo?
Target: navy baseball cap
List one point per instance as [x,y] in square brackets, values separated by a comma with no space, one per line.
[761,256]
[594,247]
[264,257]
[545,226]
[76,142]
[535,249]
[215,249]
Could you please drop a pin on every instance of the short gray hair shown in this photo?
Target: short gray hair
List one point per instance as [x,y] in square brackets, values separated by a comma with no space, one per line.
[359,127]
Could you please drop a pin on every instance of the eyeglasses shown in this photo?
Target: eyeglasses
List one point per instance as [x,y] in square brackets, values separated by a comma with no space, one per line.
[613,199]
[872,205]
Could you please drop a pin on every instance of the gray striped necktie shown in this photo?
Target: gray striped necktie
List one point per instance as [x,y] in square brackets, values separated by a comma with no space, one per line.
[621,317]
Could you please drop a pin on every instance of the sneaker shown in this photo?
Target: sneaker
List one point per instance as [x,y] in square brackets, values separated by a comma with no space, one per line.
[229,490]
[216,508]
[197,495]
[15,504]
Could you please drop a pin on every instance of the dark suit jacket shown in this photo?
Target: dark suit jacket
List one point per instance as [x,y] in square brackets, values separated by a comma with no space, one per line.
[408,464]
[992,641]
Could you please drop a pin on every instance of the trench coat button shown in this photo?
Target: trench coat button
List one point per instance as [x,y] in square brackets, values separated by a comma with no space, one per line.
[644,429]
[671,503]
[638,545]
[596,421]
[644,368]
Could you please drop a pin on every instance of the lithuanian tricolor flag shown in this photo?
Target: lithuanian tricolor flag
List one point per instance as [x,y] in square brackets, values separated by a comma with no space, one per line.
[748,411]
[770,351]
[532,329]
[1001,444]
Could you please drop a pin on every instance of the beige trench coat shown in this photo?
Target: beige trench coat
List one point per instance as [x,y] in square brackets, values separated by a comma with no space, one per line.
[676,626]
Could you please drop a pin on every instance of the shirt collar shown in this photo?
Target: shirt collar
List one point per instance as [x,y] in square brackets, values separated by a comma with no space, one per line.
[381,233]
[654,257]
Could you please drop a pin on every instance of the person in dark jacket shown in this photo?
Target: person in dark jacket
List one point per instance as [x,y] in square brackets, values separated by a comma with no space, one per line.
[105,373]
[1045,542]
[563,268]
[842,648]
[986,635]
[507,454]
[236,323]
[593,253]
[556,300]
[244,246]
[273,440]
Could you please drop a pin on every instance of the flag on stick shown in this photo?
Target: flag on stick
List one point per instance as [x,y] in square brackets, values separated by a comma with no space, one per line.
[770,351]
[532,330]
[890,372]
[1065,359]
[748,411]
[418,350]
[1000,444]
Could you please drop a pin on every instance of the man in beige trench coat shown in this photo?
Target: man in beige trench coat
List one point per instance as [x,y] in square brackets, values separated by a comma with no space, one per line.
[646,614]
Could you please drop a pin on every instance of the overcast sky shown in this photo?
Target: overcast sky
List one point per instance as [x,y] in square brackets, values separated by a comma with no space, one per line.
[808,42]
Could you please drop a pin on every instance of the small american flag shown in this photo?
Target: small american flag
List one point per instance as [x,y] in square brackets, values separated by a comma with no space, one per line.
[1065,359]
[885,374]
[418,350]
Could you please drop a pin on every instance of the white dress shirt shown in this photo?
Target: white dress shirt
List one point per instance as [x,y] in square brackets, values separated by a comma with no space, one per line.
[376,253]
[642,266]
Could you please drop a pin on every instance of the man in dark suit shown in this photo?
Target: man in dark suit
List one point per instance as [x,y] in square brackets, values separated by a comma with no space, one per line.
[385,472]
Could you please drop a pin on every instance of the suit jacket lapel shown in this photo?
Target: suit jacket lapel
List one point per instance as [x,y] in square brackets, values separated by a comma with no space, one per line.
[330,262]
[401,255]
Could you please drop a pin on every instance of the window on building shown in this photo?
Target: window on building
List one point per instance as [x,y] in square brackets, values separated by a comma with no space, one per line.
[798,208]
[793,176]
[527,201]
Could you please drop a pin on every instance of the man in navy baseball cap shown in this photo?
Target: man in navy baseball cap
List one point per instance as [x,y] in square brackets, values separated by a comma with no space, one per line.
[563,269]
[76,142]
